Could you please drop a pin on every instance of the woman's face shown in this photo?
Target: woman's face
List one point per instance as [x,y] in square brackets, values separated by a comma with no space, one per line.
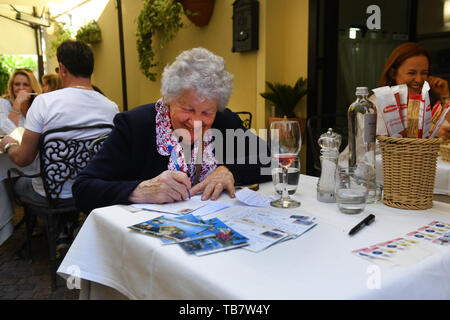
[190,111]
[413,72]
[21,83]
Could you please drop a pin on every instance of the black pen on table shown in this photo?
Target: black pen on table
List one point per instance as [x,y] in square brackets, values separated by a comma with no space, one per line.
[365,222]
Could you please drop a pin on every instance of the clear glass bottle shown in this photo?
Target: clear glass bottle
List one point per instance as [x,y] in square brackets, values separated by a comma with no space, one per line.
[329,143]
[362,126]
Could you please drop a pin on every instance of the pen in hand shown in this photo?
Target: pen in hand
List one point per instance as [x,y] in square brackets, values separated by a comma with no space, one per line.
[174,159]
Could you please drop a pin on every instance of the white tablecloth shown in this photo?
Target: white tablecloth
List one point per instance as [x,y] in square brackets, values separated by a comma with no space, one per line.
[317,265]
[442,180]
[6,209]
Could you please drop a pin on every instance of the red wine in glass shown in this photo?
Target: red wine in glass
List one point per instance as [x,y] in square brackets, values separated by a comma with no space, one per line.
[286,159]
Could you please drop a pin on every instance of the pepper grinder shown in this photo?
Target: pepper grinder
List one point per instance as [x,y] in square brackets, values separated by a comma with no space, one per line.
[329,143]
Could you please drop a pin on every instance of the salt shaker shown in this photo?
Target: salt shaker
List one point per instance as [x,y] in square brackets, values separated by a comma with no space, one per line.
[329,143]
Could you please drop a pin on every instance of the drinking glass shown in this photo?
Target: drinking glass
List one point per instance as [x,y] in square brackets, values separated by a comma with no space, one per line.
[286,141]
[351,189]
[292,178]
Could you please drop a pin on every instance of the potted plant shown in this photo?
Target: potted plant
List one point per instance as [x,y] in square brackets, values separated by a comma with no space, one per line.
[285,98]
[157,16]
[61,34]
[198,11]
[90,33]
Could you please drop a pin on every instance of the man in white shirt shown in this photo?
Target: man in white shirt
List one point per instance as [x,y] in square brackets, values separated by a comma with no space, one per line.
[77,104]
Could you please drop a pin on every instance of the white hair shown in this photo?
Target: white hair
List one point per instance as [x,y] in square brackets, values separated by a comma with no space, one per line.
[200,70]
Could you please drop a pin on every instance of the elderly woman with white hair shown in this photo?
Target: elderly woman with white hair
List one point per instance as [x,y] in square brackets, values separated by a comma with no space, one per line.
[165,151]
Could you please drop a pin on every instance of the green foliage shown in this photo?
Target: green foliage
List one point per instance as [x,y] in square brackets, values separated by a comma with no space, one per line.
[9,63]
[4,77]
[61,34]
[157,16]
[90,33]
[285,97]
[13,62]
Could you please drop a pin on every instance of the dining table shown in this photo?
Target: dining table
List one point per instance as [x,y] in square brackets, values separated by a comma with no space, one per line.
[108,260]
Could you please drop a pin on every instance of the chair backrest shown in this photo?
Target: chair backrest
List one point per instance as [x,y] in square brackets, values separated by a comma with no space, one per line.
[61,159]
[317,125]
[96,145]
[246,118]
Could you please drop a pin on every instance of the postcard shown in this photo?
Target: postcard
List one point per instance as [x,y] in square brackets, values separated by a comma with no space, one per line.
[225,239]
[178,208]
[265,226]
[171,229]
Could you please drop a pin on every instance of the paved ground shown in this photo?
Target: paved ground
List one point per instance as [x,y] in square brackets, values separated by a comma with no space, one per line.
[22,280]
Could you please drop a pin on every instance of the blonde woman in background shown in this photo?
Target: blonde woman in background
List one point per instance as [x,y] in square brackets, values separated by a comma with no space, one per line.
[22,89]
[51,82]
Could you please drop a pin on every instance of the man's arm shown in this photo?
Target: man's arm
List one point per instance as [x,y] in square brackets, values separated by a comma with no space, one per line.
[25,153]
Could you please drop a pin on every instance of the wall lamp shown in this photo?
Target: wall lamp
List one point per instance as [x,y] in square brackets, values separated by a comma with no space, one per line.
[446,12]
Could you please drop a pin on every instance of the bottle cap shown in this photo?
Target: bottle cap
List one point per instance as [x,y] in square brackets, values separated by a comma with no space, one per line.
[361,91]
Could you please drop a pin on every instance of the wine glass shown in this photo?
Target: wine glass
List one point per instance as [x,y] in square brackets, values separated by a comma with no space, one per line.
[286,141]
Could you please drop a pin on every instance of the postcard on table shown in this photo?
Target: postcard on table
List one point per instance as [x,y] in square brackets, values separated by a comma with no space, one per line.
[190,219]
[253,198]
[225,239]
[172,229]
[413,247]
[179,207]
[265,226]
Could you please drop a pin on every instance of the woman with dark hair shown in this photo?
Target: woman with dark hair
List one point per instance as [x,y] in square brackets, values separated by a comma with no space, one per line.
[410,64]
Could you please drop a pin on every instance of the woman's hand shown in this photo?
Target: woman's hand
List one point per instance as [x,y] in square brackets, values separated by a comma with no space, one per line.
[217,181]
[439,86]
[22,102]
[169,186]
[22,97]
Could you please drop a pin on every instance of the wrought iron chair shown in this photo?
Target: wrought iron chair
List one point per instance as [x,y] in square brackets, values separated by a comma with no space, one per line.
[61,160]
[96,145]
[246,118]
[317,125]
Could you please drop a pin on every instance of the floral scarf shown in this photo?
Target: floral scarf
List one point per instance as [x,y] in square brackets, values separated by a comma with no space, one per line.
[165,137]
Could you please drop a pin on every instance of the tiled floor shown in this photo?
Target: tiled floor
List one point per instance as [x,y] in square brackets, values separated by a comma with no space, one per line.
[22,280]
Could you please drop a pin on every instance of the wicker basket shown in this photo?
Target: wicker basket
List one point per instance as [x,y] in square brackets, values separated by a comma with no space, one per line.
[409,169]
[445,152]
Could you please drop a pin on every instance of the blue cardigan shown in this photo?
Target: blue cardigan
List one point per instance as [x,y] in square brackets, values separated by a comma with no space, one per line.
[129,156]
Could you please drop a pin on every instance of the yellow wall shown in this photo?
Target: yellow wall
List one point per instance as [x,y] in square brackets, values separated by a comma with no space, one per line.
[282,54]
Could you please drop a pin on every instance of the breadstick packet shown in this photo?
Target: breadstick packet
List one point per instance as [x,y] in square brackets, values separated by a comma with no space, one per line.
[439,115]
[426,116]
[401,97]
[415,122]
[387,105]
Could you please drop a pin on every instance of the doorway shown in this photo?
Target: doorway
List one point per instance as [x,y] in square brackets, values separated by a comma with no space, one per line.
[346,51]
